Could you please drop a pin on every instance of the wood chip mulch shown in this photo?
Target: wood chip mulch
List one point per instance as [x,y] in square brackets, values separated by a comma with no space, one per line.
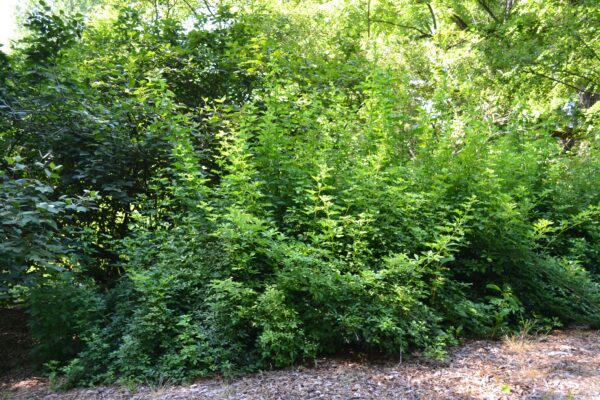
[563,365]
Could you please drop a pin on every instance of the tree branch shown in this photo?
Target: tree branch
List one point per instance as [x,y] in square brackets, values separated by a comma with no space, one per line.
[432,17]
[590,80]
[462,25]
[208,9]
[191,9]
[422,32]
[587,46]
[368,19]
[487,9]
[156,12]
[508,6]
[529,70]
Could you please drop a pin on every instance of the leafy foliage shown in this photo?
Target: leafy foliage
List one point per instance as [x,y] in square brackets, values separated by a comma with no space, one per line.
[224,189]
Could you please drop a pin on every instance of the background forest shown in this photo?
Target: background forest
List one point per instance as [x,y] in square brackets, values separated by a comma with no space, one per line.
[195,187]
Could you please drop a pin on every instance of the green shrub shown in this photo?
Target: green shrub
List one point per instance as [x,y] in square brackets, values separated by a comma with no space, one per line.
[281,182]
[62,313]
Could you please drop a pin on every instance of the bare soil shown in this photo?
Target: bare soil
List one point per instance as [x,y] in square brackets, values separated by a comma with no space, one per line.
[561,365]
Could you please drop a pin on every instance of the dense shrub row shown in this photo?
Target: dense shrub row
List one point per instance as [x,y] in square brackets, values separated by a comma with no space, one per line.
[269,186]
